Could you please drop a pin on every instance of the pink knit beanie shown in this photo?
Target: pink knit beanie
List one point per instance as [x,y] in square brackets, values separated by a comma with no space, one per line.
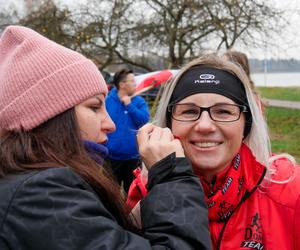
[40,79]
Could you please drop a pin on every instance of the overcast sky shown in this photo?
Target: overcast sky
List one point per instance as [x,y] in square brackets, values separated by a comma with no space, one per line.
[287,44]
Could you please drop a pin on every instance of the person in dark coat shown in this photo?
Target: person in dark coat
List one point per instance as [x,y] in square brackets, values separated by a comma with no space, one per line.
[55,193]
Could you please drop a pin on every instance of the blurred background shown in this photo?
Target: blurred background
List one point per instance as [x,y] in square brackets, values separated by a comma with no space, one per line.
[152,35]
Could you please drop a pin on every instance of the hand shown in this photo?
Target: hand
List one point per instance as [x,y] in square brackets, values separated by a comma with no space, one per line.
[156,143]
[126,100]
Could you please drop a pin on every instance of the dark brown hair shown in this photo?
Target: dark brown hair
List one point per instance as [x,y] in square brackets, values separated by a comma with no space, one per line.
[121,76]
[57,143]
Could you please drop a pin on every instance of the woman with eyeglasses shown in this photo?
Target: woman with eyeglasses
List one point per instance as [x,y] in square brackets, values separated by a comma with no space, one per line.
[253,196]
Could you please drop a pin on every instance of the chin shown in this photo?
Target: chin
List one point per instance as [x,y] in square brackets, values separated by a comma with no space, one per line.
[102,141]
[206,165]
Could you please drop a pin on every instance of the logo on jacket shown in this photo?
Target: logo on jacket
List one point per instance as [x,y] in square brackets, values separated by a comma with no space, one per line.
[225,211]
[211,204]
[237,162]
[241,182]
[253,234]
[227,184]
[207,78]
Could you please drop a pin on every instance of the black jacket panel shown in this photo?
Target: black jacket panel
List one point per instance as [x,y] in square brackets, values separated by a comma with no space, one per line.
[56,209]
[175,206]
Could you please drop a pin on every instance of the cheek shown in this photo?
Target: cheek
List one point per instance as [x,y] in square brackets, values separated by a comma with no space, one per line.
[89,126]
[180,131]
[235,134]
[90,131]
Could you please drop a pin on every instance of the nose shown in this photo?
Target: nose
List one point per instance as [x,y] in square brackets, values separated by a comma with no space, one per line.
[108,126]
[205,124]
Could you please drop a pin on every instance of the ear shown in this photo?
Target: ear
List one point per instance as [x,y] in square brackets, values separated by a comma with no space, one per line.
[121,85]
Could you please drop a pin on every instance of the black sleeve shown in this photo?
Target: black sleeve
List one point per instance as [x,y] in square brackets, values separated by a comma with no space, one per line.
[56,209]
[174,212]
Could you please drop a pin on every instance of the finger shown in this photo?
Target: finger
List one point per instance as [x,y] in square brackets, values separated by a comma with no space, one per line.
[166,134]
[155,134]
[143,133]
[179,148]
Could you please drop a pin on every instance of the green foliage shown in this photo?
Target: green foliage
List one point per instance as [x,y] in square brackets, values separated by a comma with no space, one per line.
[284,126]
[290,94]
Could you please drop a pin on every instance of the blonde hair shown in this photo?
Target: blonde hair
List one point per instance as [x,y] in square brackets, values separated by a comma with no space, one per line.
[258,139]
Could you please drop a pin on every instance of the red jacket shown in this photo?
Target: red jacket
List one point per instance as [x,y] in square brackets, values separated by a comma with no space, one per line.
[268,218]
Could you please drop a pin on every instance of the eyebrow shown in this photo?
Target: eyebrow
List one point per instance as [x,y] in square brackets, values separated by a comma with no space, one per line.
[96,98]
[217,103]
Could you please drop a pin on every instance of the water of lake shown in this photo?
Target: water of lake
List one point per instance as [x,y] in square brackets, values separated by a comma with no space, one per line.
[282,79]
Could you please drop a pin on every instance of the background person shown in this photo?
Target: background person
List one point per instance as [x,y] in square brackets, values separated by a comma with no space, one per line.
[253,198]
[54,195]
[242,60]
[129,114]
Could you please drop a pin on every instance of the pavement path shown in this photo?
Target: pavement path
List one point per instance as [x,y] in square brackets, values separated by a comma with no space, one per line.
[283,104]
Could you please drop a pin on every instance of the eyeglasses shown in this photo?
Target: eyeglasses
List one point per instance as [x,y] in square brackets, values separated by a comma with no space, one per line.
[220,112]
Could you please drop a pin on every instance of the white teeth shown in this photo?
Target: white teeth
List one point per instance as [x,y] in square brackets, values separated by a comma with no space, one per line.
[206,144]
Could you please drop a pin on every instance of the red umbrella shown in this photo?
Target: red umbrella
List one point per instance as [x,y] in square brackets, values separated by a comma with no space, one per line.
[152,80]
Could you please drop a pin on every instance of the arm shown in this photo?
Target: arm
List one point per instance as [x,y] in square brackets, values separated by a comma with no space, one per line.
[175,201]
[296,225]
[180,217]
[138,110]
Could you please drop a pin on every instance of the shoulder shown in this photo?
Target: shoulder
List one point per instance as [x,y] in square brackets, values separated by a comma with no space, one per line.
[56,209]
[55,182]
[21,181]
[284,187]
[53,176]
[40,190]
[138,99]
[112,94]
[41,185]
[52,191]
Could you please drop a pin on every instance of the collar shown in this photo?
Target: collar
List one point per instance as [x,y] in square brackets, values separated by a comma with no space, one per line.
[230,186]
[97,151]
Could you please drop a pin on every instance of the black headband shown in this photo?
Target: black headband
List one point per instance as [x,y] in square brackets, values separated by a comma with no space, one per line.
[204,79]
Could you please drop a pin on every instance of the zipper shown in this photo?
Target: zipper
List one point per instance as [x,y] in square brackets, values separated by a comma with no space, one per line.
[245,197]
[211,187]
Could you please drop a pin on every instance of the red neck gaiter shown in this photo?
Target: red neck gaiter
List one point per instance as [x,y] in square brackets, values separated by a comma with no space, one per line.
[226,190]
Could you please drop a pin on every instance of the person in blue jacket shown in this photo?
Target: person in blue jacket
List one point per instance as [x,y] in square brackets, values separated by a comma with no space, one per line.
[129,114]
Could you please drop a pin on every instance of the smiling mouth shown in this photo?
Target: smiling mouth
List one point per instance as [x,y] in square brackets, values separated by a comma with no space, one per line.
[207,144]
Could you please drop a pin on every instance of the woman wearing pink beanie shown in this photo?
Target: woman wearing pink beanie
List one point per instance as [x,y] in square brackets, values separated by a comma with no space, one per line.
[54,192]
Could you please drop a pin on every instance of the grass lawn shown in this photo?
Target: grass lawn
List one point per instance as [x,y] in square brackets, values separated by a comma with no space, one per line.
[289,94]
[284,127]
[284,124]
